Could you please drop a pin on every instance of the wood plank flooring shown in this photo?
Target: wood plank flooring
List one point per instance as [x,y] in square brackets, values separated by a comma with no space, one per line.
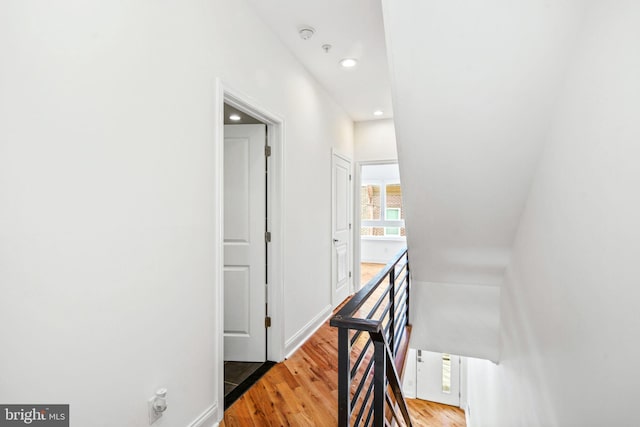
[303,391]
[431,414]
[368,270]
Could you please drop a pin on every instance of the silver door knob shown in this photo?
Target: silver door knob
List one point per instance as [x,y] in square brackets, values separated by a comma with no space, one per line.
[335,240]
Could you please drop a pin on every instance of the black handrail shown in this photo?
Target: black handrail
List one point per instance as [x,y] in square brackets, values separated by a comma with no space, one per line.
[385,326]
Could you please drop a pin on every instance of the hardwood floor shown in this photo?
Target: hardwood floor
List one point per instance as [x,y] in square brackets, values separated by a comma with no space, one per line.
[368,270]
[302,391]
[431,414]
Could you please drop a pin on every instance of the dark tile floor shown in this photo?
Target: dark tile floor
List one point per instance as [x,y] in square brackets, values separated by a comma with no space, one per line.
[236,372]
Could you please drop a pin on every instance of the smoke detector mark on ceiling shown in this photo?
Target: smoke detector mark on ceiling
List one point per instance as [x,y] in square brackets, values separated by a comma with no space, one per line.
[306,32]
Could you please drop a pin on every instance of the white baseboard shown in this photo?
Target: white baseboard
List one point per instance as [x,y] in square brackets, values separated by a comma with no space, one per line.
[307,330]
[207,418]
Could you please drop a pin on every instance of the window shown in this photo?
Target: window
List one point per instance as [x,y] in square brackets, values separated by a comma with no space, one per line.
[446,373]
[381,211]
[370,202]
[392,214]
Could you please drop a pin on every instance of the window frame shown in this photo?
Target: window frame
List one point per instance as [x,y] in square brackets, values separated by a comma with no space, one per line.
[383,222]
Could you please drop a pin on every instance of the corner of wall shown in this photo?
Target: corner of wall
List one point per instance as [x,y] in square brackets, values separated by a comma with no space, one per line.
[306,331]
[208,417]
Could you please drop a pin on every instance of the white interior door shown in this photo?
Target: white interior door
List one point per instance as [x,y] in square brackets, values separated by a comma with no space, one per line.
[341,225]
[438,377]
[244,243]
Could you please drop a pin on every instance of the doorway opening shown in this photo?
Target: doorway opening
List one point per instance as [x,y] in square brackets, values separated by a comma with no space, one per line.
[381,217]
[249,204]
[246,265]
[435,377]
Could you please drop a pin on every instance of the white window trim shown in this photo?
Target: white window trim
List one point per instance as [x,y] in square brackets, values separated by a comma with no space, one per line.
[387,238]
[382,222]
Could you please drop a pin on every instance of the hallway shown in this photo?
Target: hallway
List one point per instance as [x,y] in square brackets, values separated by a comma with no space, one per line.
[302,391]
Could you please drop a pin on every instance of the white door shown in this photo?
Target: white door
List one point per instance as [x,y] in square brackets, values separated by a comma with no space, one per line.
[438,377]
[341,225]
[244,243]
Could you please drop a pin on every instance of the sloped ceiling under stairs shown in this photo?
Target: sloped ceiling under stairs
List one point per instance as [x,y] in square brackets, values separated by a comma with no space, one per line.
[473,84]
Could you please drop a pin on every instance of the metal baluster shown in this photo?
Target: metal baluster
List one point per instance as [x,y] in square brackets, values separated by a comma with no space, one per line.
[408,273]
[344,377]
[392,302]
[380,383]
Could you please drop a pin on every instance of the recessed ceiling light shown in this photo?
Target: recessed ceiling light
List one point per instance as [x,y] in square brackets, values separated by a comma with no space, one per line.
[378,113]
[234,117]
[349,62]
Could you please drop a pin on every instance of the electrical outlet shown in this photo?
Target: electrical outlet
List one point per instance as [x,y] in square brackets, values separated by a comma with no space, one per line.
[153,414]
[157,405]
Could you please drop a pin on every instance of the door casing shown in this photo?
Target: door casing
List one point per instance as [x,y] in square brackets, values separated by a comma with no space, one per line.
[275,209]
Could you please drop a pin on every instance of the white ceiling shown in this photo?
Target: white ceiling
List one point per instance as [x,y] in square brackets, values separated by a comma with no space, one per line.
[474,83]
[354,28]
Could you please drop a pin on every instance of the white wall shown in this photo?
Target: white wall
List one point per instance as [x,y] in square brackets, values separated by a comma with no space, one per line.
[379,173]
[106,197]
[570,302]
[374,140]
[456,319]
[379,249]
[473,83]
[409,375]
[473,86]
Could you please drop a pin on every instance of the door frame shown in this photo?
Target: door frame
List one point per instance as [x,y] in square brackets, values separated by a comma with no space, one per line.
[275,209]
[460,384]
[357,184]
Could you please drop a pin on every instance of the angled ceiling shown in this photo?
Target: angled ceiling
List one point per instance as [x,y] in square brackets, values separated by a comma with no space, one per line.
[354,29]
[474,85]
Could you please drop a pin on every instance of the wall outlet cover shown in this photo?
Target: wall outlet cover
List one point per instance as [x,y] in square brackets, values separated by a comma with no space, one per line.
[153,414]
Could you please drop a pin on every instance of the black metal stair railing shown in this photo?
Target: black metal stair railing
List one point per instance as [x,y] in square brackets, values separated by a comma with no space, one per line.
[371,327]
